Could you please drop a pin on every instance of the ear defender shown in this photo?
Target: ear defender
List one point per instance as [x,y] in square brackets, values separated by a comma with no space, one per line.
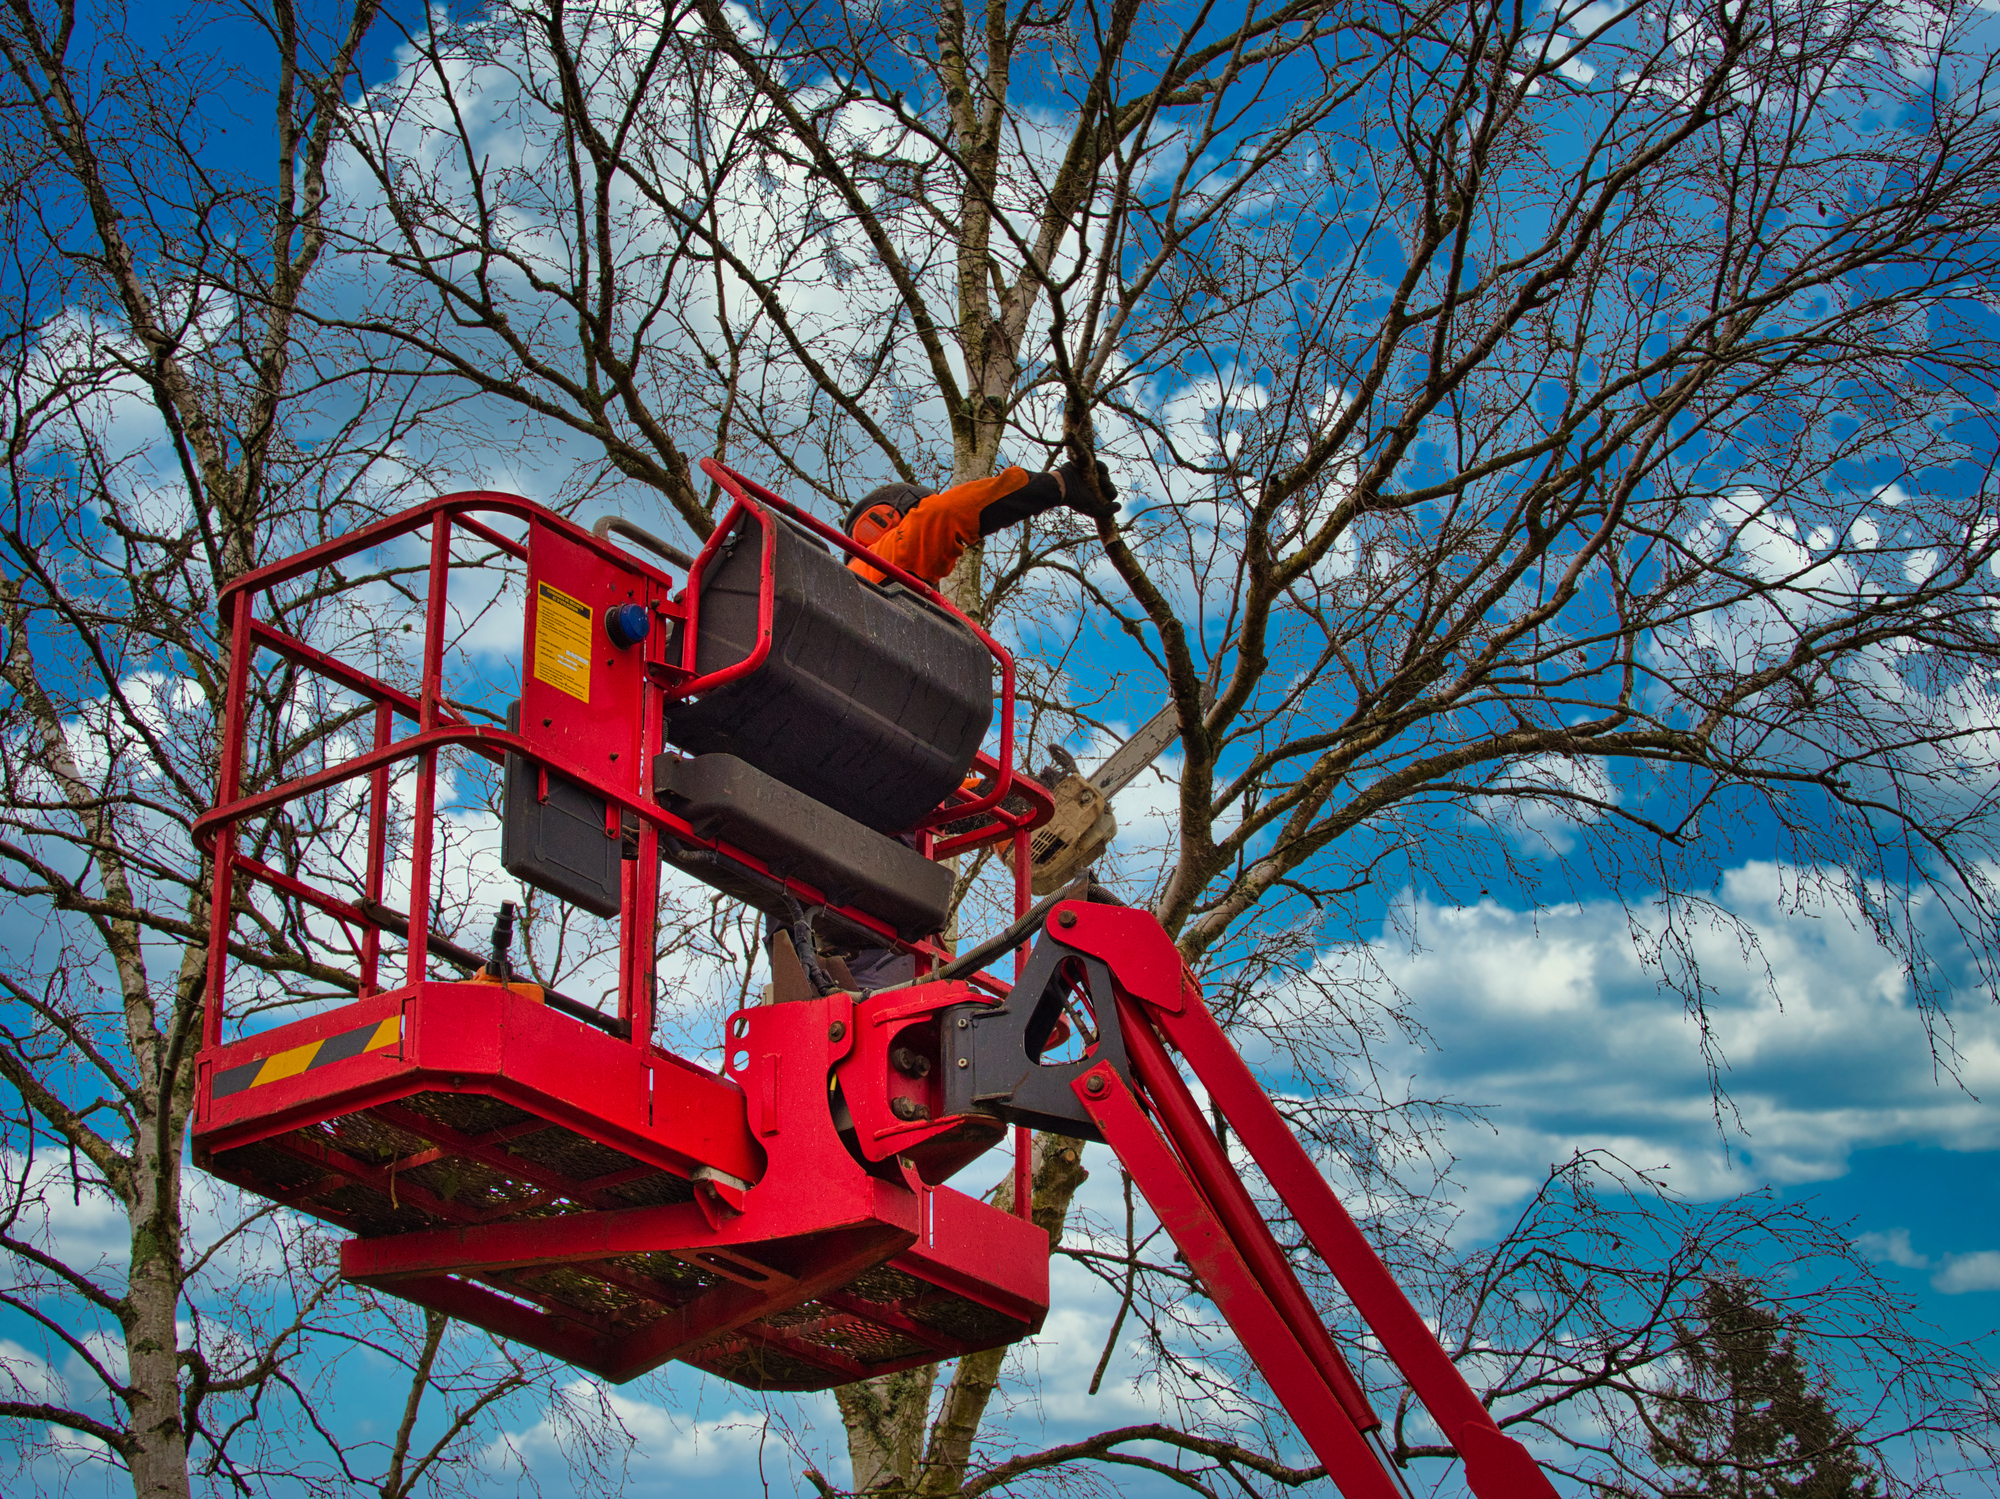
[874,523]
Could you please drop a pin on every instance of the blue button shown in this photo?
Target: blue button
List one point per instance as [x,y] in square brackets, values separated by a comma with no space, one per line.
[627,624]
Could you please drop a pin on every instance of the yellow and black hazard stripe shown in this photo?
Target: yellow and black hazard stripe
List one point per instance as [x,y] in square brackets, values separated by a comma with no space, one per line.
[321,1053]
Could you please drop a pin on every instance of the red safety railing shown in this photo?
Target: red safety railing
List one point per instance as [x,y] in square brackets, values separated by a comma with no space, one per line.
[439,725]
[1005,808]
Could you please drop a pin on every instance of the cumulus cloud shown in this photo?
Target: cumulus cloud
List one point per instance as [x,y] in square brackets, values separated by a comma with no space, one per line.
[694,1447]
[1892,1248]
[1552,796]
[1953,1274]
[82,1225]
[28,1376]
[675,1444]
[1553,1023]
[1978,1271]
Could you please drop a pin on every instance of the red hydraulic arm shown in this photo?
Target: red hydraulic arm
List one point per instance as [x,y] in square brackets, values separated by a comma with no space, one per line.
[1129,1093]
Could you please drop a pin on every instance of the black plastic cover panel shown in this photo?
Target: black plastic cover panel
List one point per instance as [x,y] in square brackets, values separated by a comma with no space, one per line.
[992,1054]
[558,845]
[871,702]
[723,797]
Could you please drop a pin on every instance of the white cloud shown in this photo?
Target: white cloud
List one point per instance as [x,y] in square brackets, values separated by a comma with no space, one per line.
[1892,1248]
[1954,1275]
[1575,790]
[1978,1271]
[26,1375]
[1591,17]
[1556,1026]
[673,1446]
[84,1226]
[108,1350]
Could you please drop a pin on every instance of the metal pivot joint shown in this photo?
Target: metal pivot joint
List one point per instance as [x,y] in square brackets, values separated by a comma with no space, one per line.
[993,1053]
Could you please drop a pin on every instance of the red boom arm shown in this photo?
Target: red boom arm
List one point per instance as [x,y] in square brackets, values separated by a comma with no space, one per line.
[1129,1093]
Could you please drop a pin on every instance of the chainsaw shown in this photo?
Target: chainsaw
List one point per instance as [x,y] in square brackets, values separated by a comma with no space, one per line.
[1083,827]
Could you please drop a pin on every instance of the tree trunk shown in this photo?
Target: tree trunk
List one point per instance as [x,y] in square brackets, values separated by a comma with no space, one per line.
[885,1416]
[159,1442]
[1058,1173]
[159,1456]
[159,1439]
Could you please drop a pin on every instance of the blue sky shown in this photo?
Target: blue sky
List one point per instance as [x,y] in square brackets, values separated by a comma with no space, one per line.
[1557,1038]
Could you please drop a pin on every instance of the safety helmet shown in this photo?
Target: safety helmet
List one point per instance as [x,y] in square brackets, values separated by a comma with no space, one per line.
[878,511]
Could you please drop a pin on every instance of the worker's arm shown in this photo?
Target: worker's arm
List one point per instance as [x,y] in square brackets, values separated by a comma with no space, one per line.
[932,537]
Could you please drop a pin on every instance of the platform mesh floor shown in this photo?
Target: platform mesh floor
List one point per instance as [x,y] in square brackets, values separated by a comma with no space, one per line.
[378,1176]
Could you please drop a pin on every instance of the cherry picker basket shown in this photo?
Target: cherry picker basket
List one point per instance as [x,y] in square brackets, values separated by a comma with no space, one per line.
[532,1163]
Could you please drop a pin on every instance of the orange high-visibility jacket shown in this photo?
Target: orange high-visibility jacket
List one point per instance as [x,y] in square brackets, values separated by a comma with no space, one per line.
[934,535]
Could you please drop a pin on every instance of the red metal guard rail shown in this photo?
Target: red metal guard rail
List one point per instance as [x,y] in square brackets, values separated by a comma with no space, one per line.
[441,726]
[438,724]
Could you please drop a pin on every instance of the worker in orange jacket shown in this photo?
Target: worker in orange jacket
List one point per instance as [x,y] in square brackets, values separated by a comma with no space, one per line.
[926,534]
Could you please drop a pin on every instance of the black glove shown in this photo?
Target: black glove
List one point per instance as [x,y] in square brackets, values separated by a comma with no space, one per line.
[1076,493]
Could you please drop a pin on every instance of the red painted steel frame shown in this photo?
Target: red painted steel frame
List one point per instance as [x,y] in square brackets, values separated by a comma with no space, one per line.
[439,725]
[1161,1136]
[817,1271]
[812,1221]
[479,1038]
[783,1225]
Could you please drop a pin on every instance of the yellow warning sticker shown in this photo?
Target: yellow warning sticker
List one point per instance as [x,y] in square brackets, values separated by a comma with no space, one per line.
[562,642]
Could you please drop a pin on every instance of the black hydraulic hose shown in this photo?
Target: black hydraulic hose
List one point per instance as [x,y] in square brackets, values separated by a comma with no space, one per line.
[1083,887]
[807,948]
[501,964]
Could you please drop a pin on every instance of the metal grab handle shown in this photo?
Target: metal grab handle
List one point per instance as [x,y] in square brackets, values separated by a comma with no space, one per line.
[608,525]
[692,684]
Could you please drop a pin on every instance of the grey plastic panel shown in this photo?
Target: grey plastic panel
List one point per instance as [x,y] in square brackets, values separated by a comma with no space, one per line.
[558,846]
[724,797]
